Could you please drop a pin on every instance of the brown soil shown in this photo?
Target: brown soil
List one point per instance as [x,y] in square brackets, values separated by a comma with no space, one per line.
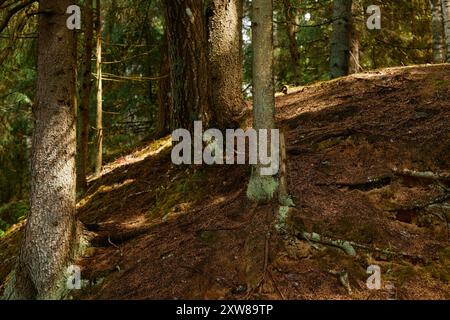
[160,231]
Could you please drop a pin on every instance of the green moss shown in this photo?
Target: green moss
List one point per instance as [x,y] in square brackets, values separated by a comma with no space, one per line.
[404,273]
[261,188]
[441,269]
[209,236]
[283,212]
[189,188]
[10,214]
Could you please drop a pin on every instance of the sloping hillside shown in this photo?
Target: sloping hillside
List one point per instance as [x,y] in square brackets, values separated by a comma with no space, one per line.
[368,162]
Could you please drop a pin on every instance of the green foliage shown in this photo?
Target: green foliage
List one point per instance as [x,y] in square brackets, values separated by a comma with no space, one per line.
[10,214]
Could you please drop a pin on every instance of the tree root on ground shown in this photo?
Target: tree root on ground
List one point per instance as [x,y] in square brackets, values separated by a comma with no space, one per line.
[370,184]
[349,247]
[422,174]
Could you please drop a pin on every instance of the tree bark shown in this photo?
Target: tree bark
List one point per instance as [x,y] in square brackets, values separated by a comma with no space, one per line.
[446,15]
[355,65]
[83,149]
[225,59]
[437,27]
[187,42]
[99,116]
[50,232]
[290,13]
[164,92]
[262,188]
[340,38]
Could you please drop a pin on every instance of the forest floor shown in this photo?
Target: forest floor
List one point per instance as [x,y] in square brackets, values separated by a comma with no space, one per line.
[173,232]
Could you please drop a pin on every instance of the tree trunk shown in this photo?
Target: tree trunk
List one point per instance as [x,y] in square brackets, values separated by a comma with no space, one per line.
[50,232]
[290,13]
[355,65]
[262,188]
[83,149]
[187,42]
[340,38]
[438,31]
[446,15]
[225,59]
[99,119]
[164,92]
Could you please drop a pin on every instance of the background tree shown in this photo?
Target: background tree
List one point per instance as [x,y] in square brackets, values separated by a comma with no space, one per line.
[446,15]
[291,15]
[356,23]
[50,233]
[164,91]
[188,56]
[340,39]
[99,114]
[83,150]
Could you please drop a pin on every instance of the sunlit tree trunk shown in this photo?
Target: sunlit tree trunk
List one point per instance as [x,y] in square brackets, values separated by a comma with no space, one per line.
[83,149]
[225,60]
[99,119]
[340,38]
[50,232]
[446,15]
[262,188]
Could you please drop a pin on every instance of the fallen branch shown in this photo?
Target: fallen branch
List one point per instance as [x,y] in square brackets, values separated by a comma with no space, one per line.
[422,174]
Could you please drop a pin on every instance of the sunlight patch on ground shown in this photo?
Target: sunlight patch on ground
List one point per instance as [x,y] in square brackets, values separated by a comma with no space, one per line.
[153,149]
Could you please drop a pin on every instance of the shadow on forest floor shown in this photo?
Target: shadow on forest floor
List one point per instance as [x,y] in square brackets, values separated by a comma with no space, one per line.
[164,231]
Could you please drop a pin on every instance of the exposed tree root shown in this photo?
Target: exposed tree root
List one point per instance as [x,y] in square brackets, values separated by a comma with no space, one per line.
[348,247]
[416,207]
[119,238]
[422,175]
[344,245]
[368,185]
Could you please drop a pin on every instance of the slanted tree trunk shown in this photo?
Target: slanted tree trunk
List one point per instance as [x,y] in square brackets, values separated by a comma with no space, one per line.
[290,13]
[446,15]
[187,41]
[83,148]
[225,60]
[262,187]
[50,232]
[340,38]
[99,117]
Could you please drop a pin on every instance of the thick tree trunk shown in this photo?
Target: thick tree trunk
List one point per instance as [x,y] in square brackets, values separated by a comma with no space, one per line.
[225,60]
[340,38]
[262,188]
[99,116]
[164,92]
[50,232]
[187,41]
[83,149]
[290,14]
[446,15]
